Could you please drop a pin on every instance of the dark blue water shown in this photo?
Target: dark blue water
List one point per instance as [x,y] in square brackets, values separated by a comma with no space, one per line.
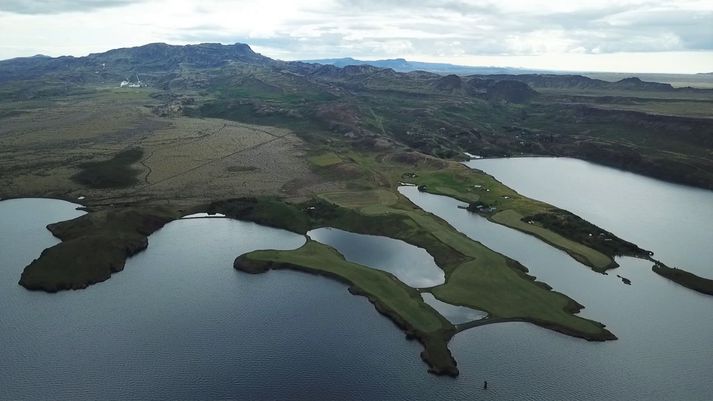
[180,323]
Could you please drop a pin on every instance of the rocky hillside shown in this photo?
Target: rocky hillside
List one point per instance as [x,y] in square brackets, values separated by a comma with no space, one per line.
[631,124]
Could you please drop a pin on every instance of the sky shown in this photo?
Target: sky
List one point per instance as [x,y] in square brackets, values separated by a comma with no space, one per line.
[601,35]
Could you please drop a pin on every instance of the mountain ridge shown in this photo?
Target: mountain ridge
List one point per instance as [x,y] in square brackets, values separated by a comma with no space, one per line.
[403,65]
[160,59]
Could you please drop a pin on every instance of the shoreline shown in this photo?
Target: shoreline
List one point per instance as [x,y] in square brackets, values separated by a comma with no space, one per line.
[435,354]
[598,163]
[117,233]
[683,278]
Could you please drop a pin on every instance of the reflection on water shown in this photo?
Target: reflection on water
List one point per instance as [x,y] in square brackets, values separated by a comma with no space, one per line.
[454,313]
[410,264]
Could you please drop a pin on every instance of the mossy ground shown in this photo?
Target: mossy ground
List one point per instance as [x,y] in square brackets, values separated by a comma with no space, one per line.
[93,247]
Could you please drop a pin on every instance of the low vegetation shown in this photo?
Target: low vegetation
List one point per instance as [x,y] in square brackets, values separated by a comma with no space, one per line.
[93,247]
[584,232]
[116,172]
[684,278]
[502,205]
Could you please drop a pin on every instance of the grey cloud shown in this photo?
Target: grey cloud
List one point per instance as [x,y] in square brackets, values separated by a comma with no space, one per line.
[58,6]
[378,30]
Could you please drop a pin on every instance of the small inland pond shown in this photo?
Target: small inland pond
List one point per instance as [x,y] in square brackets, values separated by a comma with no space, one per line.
[410,264]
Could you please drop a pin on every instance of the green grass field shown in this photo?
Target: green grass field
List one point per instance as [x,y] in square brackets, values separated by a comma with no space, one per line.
[325,159]
[586,255]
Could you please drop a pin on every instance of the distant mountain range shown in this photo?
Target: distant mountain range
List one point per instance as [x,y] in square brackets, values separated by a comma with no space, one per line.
[403,65]
[163,65]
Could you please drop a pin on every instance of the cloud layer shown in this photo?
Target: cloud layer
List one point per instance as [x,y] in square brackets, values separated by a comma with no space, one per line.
[58,6]
[447,30]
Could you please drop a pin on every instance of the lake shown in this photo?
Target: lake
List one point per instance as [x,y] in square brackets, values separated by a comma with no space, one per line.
[673,221]
[665,331]
[180,323]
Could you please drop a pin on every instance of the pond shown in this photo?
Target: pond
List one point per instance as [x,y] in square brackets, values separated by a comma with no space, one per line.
[410,264]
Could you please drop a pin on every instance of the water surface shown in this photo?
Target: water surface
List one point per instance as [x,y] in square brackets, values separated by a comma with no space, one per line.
[410,264]
[673,221]
[665,331]
[180,323]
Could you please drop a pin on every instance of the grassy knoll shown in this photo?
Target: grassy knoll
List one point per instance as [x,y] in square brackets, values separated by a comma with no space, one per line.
[684,278]
[391,297]
[475,275]
[489,281]
[511,294]
[93,247]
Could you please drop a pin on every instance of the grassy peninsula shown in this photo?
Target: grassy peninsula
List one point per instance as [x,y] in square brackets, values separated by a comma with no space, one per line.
[93,247]
[500,204]
[684,278]
[400,303]
[475,276]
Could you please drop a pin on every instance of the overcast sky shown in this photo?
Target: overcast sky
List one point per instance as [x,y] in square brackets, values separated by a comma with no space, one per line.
[601,35]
